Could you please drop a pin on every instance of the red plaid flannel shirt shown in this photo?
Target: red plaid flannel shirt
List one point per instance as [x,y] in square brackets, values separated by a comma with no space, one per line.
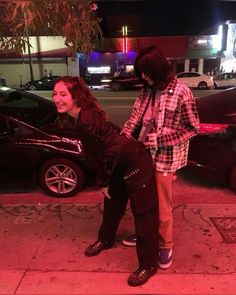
[176,121]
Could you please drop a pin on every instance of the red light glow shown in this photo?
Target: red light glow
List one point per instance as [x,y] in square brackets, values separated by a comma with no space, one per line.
[125,39]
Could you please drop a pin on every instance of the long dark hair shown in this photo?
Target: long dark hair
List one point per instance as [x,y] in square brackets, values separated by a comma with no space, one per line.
[152,62]
[81,94]
[83,97]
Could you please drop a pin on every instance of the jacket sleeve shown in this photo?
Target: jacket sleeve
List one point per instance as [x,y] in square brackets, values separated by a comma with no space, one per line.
[132,122]
[91,127]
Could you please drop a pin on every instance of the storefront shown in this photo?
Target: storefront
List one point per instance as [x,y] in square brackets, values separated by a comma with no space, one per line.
[114,55]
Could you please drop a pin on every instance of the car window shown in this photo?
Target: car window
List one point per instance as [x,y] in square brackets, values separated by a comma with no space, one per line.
[19,105]
[181,75]
[220,77]
[227,76]
[18,100]
[44,79]
[48,78]
[194,75]
[188,75]
[27,107]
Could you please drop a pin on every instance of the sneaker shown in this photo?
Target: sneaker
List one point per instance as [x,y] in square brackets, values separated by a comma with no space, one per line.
[165,258]
[130,241]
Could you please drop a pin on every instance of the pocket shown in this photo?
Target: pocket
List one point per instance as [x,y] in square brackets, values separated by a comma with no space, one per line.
[141,189]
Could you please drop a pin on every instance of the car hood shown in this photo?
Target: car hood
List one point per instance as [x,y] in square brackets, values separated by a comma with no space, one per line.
[56,143]
[218,108]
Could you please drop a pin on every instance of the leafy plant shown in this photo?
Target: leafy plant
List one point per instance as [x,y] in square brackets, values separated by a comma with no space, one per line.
[74,20]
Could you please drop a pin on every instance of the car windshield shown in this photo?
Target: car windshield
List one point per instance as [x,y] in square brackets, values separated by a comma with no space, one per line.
[29,108]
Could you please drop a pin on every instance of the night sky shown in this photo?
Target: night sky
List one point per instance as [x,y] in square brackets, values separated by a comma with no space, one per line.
[164,17]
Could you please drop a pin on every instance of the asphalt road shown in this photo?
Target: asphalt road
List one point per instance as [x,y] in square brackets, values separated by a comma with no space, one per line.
[118,104]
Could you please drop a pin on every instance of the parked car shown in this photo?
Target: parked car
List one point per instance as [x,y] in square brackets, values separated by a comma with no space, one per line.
[45,83]
[125,83]
[196,80]
[225,80]
[31,150]
[213,151]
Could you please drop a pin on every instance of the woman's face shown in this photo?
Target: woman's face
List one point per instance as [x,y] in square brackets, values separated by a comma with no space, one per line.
[147,79]
[63,99]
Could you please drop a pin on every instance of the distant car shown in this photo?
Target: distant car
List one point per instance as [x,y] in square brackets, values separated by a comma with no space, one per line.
[45,83]
[122,83]
[213,151]
[2,82]
[225,80]
[32,151]
[196,80]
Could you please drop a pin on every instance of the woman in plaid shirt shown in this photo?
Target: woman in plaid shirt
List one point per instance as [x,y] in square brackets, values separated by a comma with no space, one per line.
[164,118]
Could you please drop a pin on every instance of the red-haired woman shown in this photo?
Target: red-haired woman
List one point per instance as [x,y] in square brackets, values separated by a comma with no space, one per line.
[128,170]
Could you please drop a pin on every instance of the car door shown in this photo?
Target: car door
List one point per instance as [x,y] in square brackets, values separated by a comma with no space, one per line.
[232,80]
[189,79]
[215,147]
[226,81]
[15,159]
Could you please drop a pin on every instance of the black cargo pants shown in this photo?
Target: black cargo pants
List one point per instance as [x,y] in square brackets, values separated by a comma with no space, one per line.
[133,178]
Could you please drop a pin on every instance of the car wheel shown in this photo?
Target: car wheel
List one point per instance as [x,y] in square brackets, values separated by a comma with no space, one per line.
[232,178]
[202,85]
[61,177]
[116,86]
[32,87]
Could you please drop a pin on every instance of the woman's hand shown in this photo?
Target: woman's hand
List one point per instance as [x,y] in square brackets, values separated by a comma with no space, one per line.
[105,192]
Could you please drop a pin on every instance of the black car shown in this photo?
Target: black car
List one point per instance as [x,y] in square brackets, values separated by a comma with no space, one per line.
[122,82]
[3,82]
[45,83]
[32,151]
[213,151]
[125,83]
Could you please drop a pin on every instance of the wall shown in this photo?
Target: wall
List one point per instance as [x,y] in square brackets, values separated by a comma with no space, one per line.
[15,68]
[17,73]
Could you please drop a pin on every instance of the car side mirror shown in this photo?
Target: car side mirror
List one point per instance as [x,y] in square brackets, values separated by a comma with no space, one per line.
[4,134]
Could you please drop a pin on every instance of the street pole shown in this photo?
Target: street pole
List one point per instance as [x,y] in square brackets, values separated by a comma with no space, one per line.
[28,47]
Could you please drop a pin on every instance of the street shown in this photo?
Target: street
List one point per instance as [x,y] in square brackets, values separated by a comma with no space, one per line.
[118,104]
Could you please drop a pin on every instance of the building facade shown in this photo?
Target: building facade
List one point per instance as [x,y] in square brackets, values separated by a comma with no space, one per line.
[204,54]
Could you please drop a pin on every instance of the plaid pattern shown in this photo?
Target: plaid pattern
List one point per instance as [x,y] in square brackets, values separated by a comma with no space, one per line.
[176,121]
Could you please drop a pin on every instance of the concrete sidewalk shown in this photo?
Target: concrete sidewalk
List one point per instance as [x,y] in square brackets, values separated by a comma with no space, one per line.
[42,246]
